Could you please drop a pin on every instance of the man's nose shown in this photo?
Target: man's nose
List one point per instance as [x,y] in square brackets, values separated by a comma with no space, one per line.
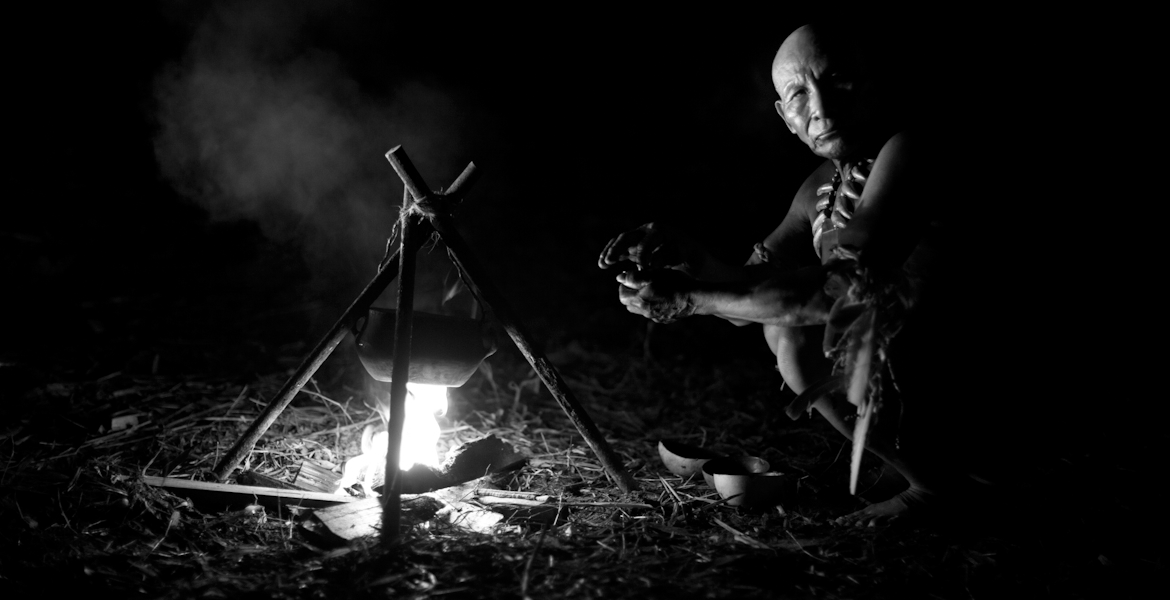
[825,104]
[816,105]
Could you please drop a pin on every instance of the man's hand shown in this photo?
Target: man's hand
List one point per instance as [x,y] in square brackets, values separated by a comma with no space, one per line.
[654,246]
[661,295]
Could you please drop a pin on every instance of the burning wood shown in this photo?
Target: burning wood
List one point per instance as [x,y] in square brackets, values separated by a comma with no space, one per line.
[315,478]
[464,463]
[475,509]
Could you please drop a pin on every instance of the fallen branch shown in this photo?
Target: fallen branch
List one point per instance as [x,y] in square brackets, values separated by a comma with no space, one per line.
[222,494]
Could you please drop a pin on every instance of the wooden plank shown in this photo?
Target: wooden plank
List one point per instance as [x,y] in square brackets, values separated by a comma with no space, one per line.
[221,495]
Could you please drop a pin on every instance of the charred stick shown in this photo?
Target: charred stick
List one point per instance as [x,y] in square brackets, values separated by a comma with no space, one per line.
[493,301]
[410,176]
[392,507]
[325,347]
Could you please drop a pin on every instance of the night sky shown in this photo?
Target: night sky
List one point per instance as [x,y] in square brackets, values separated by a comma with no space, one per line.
[209,180]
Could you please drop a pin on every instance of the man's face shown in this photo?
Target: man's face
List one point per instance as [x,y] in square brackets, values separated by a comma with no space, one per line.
[820,96]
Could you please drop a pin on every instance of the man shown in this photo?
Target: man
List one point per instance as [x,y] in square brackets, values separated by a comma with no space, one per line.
[872,212]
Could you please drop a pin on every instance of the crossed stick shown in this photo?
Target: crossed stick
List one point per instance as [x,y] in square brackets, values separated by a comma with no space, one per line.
[435,208]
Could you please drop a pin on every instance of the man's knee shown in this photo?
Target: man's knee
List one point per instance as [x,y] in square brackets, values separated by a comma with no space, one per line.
[798,354]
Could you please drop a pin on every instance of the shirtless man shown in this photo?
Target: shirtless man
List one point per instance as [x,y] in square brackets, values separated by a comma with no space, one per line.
[871,198]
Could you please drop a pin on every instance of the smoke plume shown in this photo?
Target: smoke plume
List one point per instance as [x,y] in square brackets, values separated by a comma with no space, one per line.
[262,119]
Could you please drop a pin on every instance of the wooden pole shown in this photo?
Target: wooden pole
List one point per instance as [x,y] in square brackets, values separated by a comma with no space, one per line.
[325,347]
[481,286]
[399,373]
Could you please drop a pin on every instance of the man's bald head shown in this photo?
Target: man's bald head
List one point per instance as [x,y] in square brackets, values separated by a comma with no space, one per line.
[821,80]
[815,40]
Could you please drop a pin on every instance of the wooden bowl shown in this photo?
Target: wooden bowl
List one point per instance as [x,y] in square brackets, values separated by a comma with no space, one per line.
[733,465]
[682,459]
[759,490]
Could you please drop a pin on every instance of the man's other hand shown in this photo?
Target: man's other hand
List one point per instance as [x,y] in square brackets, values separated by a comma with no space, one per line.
[661,295]
[653,246]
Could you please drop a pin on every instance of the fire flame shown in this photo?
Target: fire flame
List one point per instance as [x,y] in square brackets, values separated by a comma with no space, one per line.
[420,432]
[420,438]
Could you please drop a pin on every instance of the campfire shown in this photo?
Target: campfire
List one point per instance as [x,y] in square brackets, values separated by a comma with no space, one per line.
[421,355]
[420,438]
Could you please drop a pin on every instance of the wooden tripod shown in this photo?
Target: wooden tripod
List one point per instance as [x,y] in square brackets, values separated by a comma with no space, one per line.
[435,210]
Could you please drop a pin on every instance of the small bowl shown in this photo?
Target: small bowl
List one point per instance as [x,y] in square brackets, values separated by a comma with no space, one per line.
[751,491]
[733,465]
[682,459]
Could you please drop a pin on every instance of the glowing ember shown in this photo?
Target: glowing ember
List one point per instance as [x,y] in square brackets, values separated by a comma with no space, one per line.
[420,438]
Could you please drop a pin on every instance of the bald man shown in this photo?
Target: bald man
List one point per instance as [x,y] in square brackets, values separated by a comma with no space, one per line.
[869,212]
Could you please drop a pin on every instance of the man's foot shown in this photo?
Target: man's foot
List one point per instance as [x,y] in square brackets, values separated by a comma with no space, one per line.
[912,502]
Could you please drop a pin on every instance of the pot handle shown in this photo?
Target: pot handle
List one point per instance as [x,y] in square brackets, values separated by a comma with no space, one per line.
[358,327]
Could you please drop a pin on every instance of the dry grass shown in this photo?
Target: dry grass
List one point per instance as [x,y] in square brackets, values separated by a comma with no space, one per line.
[76,514]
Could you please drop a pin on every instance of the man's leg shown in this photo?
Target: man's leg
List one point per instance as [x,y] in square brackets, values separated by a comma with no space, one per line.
[920,462]
[920,459]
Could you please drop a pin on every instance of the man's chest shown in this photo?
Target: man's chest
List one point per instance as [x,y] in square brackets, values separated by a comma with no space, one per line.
[834,204]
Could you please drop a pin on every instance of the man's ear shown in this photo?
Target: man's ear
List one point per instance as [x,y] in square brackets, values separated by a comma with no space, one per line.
[780,111]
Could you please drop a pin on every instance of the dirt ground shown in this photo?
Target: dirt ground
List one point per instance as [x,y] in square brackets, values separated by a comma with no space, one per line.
[195,359]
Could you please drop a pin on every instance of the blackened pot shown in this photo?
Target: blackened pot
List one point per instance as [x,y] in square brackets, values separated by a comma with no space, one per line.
[443,350]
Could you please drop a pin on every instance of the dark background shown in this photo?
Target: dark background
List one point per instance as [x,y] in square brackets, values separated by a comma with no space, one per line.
[137,173]
[160,220]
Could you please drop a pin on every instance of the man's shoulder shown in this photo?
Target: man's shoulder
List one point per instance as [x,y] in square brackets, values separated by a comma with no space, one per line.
[806,196]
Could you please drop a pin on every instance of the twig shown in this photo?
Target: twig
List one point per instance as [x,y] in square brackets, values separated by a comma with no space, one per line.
[61,507]
[713,503]
[243,393]
[170,522]
[616,504]
[528,564]
[670,489]
[372,419]
[327,400]
[494,501]
[115,434]
[800,547]
[742,537]
[510,494]
[192,417]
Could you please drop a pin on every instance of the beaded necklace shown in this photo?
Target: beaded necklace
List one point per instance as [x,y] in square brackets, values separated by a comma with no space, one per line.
[841,196]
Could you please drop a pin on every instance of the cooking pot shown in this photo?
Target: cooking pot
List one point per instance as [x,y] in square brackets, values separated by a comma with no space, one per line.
[444,350]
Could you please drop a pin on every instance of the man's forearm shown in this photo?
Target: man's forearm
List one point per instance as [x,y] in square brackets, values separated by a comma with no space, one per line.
[716,271]
[788,298]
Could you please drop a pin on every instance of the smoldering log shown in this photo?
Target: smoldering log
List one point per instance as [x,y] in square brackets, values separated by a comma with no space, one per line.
[469,461]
